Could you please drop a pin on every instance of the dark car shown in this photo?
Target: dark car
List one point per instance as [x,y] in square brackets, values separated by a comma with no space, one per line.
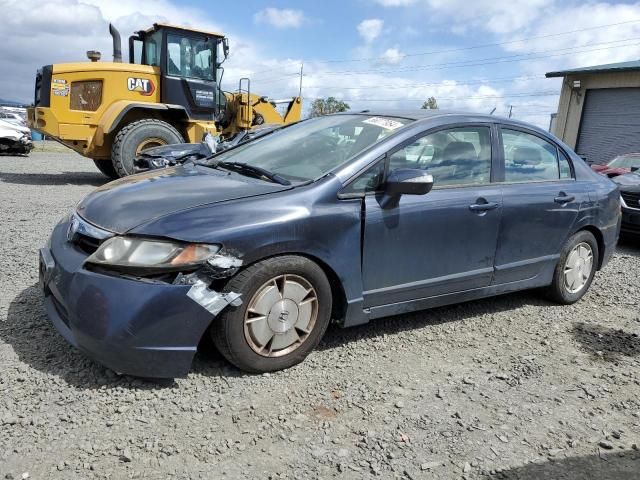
[630,193]
[348,217]
[619,166]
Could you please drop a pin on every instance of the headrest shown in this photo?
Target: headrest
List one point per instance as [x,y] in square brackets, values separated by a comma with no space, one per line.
[527,156]
[459,151]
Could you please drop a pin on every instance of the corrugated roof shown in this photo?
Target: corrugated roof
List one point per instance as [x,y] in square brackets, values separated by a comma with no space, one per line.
[609,67]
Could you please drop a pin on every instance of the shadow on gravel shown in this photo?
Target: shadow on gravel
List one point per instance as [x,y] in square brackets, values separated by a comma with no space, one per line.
[607,343]
[337,336]
[39,345]
[64,178]
[623,465]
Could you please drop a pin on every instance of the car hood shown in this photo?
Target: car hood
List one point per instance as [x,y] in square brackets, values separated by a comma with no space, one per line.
[129,202]
[629,182]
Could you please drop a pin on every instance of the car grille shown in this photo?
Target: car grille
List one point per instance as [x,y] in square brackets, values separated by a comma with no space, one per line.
[632,199]
[86,243]
[84,235]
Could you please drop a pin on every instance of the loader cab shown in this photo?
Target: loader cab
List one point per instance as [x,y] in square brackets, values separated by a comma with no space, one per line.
[190,66]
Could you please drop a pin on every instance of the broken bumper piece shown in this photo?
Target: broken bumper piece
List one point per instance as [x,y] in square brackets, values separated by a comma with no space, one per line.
[210,300]
[136,327]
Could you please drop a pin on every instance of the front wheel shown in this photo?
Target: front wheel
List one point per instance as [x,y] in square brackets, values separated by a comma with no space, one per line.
[576,268]
[285,311]
[138,136]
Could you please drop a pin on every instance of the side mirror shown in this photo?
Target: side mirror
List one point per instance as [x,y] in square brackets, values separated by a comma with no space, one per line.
[408,181]
[405,181]
[225,47]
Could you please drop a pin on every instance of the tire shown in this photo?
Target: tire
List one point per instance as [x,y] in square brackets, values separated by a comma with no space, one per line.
[239,342]
[561,290]
[106,167]
[131,139]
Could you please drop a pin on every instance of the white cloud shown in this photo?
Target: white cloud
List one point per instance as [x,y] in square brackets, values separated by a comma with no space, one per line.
[280,18]
[391,56]
[370,29]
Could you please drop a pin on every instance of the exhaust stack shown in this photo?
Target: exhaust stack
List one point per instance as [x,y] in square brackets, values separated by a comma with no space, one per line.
[117,44]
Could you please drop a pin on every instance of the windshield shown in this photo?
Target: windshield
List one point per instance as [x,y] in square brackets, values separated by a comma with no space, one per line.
[625,161]
[310,149]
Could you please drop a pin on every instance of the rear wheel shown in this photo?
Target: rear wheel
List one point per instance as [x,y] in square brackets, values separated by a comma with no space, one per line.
[137,137]
[576,268]
[107,168]
[285,311]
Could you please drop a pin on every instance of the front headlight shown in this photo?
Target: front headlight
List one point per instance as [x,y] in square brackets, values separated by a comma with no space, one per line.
[143,254]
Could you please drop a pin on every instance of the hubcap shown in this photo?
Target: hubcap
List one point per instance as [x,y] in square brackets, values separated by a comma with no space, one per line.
[149,143]
[280,315]
[577,268]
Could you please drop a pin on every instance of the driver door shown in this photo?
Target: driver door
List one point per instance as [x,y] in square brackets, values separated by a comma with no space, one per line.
[442,242]
[188,78]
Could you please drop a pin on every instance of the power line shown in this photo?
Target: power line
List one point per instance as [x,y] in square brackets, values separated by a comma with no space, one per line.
[469,63]
[471,97]
[494,60]
[461,49]
[459,83]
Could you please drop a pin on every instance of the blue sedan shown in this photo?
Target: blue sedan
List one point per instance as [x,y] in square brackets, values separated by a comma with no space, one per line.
[349,217]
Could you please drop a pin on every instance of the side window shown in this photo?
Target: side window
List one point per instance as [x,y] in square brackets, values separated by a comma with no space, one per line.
[190,57]
[369,181]
[565,166]
[457,156]
[152,49]
[528,158]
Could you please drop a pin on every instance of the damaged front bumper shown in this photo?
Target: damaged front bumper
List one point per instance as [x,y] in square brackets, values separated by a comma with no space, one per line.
[138,327]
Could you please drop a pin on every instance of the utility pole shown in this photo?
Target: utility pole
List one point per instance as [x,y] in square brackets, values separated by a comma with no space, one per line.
[301,74]
[510,110]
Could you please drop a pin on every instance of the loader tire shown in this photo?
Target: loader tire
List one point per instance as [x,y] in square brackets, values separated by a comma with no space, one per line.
[138,136]
[106,167]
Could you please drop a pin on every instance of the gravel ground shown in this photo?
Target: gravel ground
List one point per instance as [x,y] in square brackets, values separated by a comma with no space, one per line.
[512,387]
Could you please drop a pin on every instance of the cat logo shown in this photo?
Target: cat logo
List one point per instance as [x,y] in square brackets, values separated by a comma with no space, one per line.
[142,85]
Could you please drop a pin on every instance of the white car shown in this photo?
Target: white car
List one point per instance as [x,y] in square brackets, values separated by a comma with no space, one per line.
[15,138]
[12,118]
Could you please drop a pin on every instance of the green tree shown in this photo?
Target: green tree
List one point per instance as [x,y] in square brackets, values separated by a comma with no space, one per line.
[430,104]
[322,106]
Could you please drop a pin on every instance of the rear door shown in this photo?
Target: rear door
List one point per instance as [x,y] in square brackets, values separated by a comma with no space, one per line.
[441,242]
[541,200]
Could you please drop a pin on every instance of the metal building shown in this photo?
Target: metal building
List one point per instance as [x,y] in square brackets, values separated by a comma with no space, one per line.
[599,110]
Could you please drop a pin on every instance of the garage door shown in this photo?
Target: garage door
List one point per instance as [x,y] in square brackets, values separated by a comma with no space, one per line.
[610,124]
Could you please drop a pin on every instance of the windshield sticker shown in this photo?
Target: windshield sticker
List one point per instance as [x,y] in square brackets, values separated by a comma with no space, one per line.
[385,123]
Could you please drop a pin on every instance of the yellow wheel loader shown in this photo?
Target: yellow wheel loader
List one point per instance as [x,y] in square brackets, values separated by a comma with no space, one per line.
[169,92]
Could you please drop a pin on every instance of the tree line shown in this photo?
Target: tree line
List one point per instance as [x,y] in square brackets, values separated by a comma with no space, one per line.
[329,105]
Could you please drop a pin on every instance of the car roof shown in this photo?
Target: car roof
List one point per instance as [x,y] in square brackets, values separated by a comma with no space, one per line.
[419,114]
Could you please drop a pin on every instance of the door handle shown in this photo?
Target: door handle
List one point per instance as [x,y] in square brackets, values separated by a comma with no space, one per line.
[483,207]
[564,199]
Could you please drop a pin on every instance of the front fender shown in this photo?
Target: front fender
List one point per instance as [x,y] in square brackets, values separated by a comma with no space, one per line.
[117,111]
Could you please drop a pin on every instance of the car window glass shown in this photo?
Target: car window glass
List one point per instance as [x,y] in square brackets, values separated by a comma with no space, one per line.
[565,166]
[458,156]
[152,49]
[528,158]
[369,181]
[190,57]
[625,161]
[310,149]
